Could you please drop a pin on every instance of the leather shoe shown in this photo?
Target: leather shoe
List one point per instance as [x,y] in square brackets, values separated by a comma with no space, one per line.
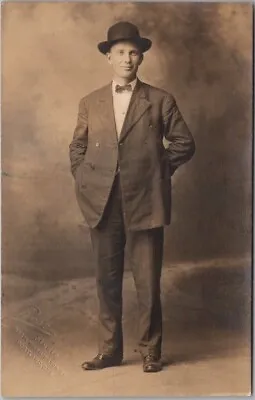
[152,363]
[102,361]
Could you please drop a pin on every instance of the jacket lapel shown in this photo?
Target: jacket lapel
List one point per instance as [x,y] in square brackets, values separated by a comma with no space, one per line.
[105,110]
[137,107]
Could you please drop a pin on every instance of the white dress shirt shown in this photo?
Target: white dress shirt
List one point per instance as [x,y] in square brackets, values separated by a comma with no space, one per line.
[120,104]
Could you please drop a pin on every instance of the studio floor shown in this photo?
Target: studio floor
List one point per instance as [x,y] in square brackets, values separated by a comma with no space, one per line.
[49,329]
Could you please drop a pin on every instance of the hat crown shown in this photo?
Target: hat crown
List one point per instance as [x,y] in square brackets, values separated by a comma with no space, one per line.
[122,30]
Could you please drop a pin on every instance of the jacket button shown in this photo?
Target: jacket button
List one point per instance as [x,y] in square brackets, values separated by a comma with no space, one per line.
[150,126]
[97,144]
[92,166]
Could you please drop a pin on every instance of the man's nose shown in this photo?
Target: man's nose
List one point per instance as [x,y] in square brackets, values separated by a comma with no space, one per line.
[127,58]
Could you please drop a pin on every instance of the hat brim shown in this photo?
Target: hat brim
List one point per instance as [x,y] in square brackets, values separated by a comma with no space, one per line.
[143,43]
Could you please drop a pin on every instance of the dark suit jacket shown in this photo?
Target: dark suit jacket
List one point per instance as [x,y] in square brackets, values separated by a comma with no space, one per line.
[146,165]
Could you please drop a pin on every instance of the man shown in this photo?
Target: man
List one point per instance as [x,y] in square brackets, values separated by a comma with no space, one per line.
[122,174]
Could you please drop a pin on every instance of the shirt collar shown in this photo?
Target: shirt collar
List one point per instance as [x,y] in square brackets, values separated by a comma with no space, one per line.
[133,83]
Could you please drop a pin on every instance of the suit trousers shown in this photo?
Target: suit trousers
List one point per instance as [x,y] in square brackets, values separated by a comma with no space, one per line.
[111,242]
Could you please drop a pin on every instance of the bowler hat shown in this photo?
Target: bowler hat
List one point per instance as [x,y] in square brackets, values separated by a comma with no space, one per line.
[124,31]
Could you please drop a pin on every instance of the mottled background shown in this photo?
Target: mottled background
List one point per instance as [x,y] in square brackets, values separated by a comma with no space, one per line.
[201,53]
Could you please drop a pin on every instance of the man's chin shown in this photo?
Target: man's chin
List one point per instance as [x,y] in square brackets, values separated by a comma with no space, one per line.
[128,75]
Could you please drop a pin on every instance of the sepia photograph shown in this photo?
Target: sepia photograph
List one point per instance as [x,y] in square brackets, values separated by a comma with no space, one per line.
[127,178]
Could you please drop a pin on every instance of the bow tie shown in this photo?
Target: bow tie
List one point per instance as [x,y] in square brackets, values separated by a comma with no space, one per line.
[120,89]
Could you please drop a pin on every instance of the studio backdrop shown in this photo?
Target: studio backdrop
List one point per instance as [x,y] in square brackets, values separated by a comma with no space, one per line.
[202,53]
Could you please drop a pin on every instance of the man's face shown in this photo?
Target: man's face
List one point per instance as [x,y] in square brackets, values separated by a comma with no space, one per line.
[125,58]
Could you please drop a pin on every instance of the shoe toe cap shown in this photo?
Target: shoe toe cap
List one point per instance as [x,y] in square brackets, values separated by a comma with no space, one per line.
[86,365]
[152,367]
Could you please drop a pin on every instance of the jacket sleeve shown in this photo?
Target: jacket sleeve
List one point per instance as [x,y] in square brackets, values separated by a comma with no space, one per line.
[180,144]
[79,144]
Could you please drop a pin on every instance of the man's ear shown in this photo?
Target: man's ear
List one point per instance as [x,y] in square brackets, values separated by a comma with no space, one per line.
[108,56]
[141,59]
